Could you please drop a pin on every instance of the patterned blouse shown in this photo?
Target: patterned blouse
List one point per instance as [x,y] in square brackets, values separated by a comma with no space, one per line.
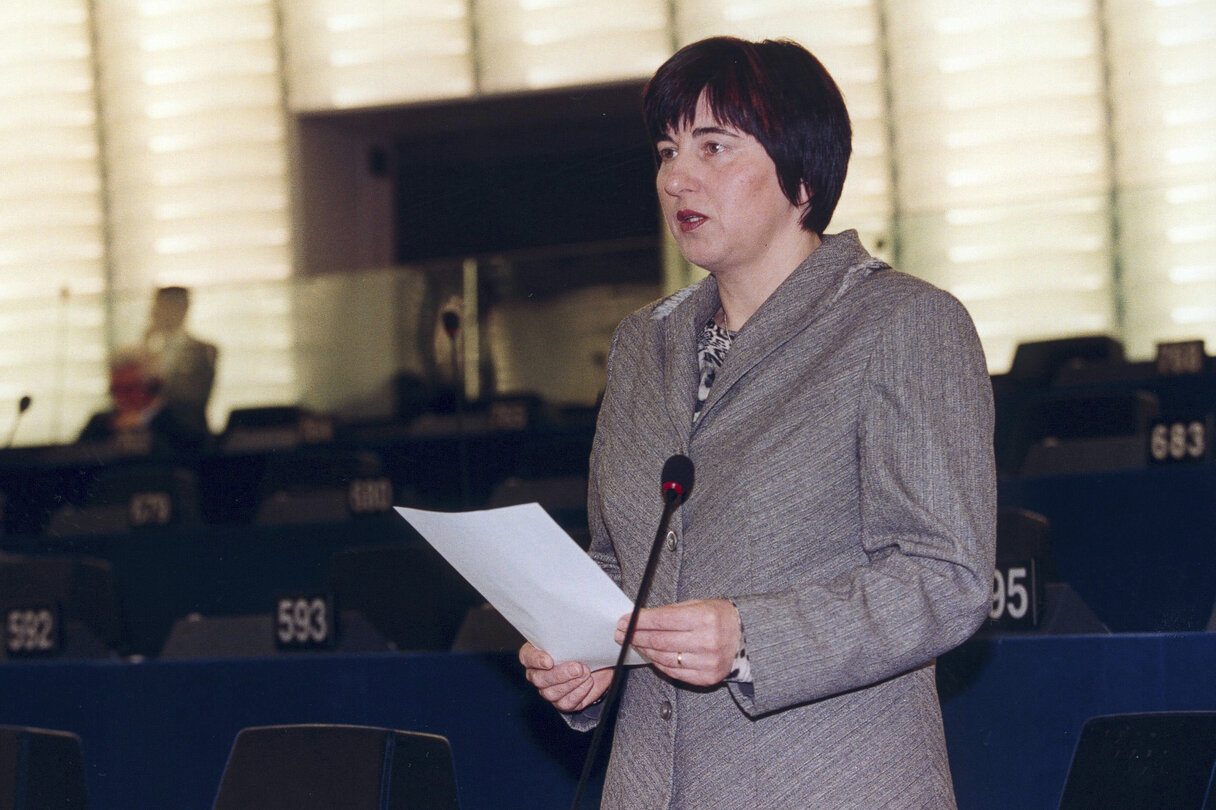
[712,345]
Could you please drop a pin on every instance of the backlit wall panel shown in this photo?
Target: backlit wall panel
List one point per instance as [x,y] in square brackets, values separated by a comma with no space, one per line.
[1163,98]
[52,238]
[364,53]
[846,36]
[1002,163]
[532,44]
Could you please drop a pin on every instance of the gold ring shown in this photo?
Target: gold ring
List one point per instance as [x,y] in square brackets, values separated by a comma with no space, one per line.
[679,659]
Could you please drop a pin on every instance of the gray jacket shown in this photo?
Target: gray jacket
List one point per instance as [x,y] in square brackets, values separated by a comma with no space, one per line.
[844,501]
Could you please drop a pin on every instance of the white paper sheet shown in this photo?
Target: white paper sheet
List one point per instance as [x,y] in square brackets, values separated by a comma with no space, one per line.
[535,575]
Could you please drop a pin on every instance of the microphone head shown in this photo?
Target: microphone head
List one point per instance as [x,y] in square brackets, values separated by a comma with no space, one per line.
[24,404]
[451,323]
[677,477]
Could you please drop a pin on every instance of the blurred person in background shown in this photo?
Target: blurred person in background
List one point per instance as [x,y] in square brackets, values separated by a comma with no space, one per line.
[139,421]
[186,364]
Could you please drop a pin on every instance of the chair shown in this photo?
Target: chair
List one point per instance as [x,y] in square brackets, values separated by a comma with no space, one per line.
[1036,366]
[485,630]
[1153,760]
[1023,538]
[320,485]
[263,429]
[1042,360]
[122,497]
[321,767]
[78,591]
[41,770]
[1070,432]
[563,497]
[408,593]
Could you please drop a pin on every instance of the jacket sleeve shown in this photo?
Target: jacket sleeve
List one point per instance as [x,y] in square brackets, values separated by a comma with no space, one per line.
[927,524]
[600,550]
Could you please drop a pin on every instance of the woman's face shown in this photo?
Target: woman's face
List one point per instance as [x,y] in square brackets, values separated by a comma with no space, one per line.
[721,200]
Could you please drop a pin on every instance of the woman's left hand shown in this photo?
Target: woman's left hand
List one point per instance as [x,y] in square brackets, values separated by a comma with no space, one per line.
[695,641]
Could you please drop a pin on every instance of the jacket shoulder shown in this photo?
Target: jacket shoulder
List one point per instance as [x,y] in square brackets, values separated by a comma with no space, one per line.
[664,307]
[895,288]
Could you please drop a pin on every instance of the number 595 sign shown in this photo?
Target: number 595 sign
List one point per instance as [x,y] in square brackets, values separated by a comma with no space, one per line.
[1015,596]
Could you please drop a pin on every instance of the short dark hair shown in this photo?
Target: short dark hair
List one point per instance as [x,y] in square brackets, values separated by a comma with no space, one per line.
[777,92]
[175,295]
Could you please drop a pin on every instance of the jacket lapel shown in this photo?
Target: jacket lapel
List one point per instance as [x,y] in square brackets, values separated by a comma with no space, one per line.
[808,292]
[680,322]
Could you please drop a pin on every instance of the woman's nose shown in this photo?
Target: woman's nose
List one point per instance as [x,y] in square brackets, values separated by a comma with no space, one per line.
[677,175]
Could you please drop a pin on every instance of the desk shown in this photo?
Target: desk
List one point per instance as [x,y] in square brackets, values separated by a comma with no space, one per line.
[157,734]
[163,575]
[1138,546]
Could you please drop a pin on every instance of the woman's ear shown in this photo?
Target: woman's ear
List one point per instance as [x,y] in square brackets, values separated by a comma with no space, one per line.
[804,193]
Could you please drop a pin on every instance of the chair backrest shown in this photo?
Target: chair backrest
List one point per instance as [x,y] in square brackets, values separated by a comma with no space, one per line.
[1165,759]
[41,770]
[129,496]
[318,767]
[408,593]
[81,591]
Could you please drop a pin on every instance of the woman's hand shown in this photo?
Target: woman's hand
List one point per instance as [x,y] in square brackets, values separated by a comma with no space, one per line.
[569,686]
[695,641]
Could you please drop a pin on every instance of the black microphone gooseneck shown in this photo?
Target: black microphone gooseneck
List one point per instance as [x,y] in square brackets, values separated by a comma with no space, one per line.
[676,481]
[22,406]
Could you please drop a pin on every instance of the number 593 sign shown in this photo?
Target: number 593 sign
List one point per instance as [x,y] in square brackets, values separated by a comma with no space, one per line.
[304,621]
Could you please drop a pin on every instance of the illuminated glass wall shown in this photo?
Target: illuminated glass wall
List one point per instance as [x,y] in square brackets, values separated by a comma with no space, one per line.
[1051,163]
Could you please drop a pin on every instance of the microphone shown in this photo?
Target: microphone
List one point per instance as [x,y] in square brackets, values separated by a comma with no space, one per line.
[675,484]
[451,323]
[22,406]
[677,478]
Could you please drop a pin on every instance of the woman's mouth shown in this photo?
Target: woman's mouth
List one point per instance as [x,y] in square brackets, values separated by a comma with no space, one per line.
[689,220]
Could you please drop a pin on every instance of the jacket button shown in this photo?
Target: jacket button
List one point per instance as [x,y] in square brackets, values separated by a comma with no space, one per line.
[672,542]
[665,710]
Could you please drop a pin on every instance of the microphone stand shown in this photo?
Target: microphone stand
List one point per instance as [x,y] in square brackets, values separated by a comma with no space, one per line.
[673,495]
[451,325]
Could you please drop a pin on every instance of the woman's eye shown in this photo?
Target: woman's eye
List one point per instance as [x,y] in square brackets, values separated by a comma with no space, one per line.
[714,148]
[666,152]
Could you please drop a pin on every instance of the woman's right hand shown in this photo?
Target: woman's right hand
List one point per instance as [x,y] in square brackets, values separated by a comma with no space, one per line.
[569,686]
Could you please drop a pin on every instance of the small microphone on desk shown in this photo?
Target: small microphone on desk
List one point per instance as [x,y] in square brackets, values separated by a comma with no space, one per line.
[22,406]
[451,323]
[675,484]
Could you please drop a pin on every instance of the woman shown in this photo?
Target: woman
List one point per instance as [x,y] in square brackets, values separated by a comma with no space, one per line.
[841,532]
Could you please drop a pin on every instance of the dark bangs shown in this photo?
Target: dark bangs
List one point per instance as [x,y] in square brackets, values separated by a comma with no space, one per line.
[723,67]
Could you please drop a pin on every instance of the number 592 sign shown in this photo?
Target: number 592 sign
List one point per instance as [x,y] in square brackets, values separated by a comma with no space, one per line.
[32,630]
